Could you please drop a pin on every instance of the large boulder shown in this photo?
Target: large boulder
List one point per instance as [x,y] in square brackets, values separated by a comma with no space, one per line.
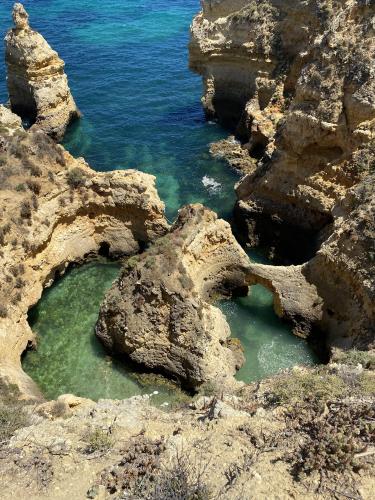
[159,312]
[37,84]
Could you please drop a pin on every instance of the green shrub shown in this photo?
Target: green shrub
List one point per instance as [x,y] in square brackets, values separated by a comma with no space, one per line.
[332,440]
[315,385]
[98,440]
[355,357]
[76,178]
[12,418]
[12,413]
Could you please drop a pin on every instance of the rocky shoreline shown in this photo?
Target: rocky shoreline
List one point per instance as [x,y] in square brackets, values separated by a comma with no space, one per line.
[306,132]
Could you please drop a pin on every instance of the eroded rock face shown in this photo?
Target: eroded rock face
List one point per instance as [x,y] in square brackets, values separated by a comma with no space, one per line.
[158,313]
[296,81]
[55,210]
[343,270]
[37,84]
[9,125]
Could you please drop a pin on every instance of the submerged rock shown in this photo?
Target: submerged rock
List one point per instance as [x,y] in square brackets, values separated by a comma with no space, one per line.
[37,84]
[158,312]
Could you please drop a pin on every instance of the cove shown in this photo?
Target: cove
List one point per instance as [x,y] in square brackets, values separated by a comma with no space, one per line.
[127,67]
[69,358]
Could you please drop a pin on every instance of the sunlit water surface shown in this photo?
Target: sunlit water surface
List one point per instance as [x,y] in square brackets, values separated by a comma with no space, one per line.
[127,67]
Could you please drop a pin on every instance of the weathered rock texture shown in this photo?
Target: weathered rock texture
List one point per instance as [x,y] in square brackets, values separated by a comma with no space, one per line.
[158,312]
[37,84]
[296,81]
[55,210]
[9,125]
[76,448]
[343,270]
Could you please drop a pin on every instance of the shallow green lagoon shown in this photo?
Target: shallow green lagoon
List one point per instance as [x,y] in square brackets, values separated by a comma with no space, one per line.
[69,358]
[268,342]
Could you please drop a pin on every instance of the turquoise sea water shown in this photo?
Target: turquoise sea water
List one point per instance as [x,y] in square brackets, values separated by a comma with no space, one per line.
[127,63]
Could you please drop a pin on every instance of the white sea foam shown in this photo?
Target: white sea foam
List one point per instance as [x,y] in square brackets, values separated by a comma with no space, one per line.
[212,186]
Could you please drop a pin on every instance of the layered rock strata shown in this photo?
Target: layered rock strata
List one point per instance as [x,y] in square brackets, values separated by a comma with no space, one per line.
[296,81]
[37,84]
[343,270]
[159,312]
[55,211]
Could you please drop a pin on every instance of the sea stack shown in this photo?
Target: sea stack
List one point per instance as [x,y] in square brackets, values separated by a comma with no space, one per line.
[37,84]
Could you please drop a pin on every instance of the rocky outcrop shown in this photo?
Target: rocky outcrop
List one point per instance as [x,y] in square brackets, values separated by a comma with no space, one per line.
[343,270]
[266,435]
[334,291]
[159,312]
[9,125]
[55,211]
[37,84]
[295,80]
[234,154]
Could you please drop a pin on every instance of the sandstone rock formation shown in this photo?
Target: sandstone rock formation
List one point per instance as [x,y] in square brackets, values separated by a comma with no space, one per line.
[343,270]
[9,125]
[55,210]
[158,312]
[37,84]
[296,81]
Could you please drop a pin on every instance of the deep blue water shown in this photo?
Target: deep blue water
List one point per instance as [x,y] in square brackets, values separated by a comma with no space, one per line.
[127,63]
[127,66]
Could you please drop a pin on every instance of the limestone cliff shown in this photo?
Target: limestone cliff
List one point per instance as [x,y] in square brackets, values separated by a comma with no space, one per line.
[343,270]
[295,79]
[54,211]
[159,313]
[37,84]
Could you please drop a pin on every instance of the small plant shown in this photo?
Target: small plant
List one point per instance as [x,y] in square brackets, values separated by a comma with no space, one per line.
[19,283]
[3,311]
[20,187]
[25,210]
[183,480]
[332,440]
[355,357]
[16,299]
[12,414]
[10,421]
[76,178]
[98,440]
[34,186]
[136,470]
[35,171]
[35,202]
[315,385]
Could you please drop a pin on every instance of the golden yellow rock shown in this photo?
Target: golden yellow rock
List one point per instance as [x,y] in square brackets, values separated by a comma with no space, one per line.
[37,84]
